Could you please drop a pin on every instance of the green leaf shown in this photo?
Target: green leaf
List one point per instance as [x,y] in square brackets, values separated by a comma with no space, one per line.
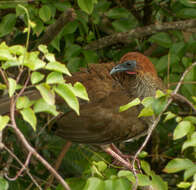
[70,27]
[101,165]
[32,61]
[123,25]
[2,86]
[72,51]
[146,167]
[143,180]
[192,119]
[158,183]
[158,105]
[80,91]
[29,116]
[190,142]
[159,94]
[94,183]
[184,185]
[5,55]
[66,92]
[134,102]
[42,106]
[86,5]
[162,38]
[23,102]
[121,184]
[3,121]
[50,57]
[47,94]
[43,48]
[146,112]
[178,164]
[146,102]
[189,172]
[182,129]
[4,185]
[12,86]
[169,115]
[109,184]
[7,24]
[17,49]
[45,13]
[90,56]
[186,13]
[56,66]
[118,12]
[128,174]
[55,78]
[36,77]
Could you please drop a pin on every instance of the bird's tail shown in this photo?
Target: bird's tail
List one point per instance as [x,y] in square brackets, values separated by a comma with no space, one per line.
[5,101]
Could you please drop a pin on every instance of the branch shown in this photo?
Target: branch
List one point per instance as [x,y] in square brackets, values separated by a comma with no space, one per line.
[127,37]
[53,29]
[17,159]
[58,163]
[25,142]
[180,98]
[156,121]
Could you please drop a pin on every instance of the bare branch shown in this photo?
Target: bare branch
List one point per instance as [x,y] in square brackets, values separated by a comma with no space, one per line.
[58,162]
[24,167]
[127,37]
[17,159]
[25,142]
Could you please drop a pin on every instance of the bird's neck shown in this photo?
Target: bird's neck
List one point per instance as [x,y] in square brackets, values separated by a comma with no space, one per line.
[141,86]
[146,86]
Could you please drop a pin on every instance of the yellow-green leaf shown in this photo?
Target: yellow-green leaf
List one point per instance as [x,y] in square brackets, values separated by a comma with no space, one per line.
[66,92]
[59,67]
[3,121]
[134,102]
[29,116]
[146,112]
[12,86]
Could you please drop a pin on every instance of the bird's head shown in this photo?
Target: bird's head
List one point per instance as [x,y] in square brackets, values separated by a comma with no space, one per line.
[134,63]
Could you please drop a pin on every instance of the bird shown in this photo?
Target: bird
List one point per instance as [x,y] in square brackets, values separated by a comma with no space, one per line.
[109,86]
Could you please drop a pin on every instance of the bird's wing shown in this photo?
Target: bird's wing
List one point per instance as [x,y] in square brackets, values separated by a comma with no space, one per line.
[100,121]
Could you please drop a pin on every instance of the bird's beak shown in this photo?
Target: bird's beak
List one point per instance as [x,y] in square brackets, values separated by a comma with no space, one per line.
[128,67]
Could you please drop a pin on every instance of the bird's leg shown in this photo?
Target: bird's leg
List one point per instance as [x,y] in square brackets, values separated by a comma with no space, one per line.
[115,149]
[116,156]
[124,156]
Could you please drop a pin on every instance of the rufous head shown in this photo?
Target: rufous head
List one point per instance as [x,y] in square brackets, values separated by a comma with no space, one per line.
[135,63]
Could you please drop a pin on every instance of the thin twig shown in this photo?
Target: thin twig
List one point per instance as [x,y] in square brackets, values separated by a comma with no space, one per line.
[17,159]
[168,71]
[183,99]
[4,77]
[24,167]
[156,121]
[58,162]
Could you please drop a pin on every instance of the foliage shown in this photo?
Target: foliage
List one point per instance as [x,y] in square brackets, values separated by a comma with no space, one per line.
[169,161]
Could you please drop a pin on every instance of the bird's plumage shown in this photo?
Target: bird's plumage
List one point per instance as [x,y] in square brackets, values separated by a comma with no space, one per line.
[100,121]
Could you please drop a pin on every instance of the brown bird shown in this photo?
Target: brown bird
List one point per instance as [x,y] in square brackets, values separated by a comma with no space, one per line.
[110,86]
